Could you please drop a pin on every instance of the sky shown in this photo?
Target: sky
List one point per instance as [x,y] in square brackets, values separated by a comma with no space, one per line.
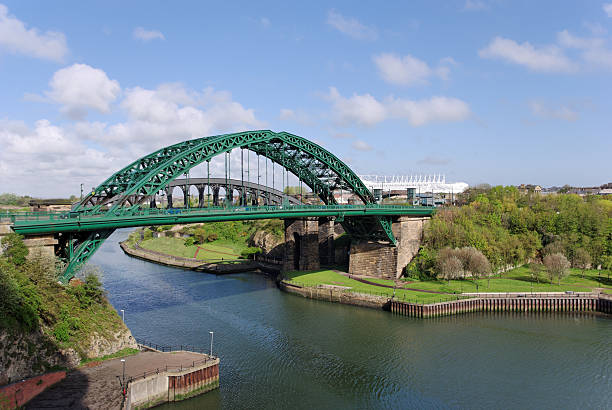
[483,91]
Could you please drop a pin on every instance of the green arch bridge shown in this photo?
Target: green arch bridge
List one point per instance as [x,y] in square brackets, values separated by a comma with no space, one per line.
[125,198]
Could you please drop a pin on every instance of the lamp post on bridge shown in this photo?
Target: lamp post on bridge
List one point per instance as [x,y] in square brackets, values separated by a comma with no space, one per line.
[81,192]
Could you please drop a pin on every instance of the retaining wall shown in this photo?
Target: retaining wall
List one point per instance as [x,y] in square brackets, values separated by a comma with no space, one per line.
[337,295]
[201,265]
[531,303]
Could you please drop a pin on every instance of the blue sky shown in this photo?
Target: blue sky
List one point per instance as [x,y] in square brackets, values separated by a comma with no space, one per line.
[504,92]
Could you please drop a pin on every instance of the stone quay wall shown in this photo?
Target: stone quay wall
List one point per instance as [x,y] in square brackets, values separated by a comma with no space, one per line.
[196,264]
[336,295]
[584,302]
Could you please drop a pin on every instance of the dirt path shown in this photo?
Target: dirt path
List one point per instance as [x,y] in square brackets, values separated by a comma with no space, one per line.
[98,387]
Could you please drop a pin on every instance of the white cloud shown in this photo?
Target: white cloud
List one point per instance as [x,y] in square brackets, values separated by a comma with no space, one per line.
[265,21]
[560,113]
[351,26]
[566,39]
[155,118]
[361,146]
[147,35]
[547,58]
[298,116]
[607,8]
[16,38]
[406,70]
[475,5]
[49,160]
[434,109]
[80,87]
[359,109]
[366,110]
[172,113]
[595,28]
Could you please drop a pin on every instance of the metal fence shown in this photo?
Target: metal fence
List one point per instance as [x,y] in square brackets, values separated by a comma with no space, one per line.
[128,211]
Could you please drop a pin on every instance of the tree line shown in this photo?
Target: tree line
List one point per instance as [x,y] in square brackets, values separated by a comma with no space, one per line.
[509,228]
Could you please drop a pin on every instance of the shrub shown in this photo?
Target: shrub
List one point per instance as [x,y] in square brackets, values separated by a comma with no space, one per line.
[14,248]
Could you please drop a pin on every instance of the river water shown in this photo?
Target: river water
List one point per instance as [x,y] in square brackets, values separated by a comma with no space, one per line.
[283,351]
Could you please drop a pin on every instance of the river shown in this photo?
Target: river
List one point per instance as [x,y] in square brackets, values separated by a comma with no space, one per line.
[283,351]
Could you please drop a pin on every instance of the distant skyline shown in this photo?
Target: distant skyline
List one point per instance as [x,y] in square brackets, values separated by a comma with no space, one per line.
[483,91]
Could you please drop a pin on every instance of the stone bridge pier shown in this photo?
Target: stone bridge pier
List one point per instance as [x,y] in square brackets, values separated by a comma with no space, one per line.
[309,243]
[384,260]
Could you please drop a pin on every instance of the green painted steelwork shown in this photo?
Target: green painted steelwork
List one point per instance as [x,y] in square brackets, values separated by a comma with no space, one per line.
[45,223]
[118,201]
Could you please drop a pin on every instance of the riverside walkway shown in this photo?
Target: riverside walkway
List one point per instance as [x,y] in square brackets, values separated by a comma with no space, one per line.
[97,386]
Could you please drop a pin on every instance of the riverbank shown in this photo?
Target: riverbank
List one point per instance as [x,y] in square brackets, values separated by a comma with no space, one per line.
[341,356]
[217,267]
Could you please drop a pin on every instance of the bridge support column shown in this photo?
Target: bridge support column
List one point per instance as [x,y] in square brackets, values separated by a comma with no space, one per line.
[301,244]
[201,189]
[152,204]
[326,241]
[169,199]
[216,196]
[380,259]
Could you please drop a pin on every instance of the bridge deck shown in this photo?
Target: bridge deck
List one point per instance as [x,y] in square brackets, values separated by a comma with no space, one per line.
[43,222]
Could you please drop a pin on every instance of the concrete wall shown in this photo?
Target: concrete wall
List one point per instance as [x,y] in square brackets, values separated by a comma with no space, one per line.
[169,385]
[151,390]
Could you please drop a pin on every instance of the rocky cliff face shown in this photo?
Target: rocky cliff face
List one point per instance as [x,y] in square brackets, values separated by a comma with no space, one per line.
[270,244]
[24,355]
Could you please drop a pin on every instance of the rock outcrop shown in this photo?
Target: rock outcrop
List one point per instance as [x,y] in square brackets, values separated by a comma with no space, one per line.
[270,244]
[24,355]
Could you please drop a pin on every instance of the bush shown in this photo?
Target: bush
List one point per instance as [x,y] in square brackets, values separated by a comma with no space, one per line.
[14,249]
[249,252]
[189,241]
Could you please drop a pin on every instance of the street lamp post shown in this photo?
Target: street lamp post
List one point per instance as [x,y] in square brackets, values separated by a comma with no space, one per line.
[212,334]
[123,377]
[81,192]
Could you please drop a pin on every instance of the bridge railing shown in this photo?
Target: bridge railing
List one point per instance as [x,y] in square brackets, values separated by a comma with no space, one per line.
[61,216]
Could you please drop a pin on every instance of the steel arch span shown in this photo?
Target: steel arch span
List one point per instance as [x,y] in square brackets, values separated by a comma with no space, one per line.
[130,188]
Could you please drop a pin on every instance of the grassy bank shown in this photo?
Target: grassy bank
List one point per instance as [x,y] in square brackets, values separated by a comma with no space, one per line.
[219,249]
[329,277]
[32,302]
[520,280]
[209,241]
[516,280]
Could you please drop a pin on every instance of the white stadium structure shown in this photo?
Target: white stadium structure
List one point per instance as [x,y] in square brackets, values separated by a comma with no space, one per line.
[421,183]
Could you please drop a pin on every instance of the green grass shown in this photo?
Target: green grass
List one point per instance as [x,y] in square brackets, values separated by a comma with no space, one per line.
[219,249]
[516,280]
[329,277]
[520,280]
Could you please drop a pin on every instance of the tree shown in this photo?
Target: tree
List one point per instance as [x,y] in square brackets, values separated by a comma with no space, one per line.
[553,247]
[581,260]
[14,249]
[557,266]
[607,264]
[449,265]
[474,263]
